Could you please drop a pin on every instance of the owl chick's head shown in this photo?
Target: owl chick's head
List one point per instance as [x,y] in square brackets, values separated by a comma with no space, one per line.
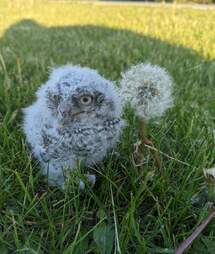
[74,92]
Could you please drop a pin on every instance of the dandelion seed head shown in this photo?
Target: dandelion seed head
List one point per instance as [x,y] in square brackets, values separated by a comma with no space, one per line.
[148,89]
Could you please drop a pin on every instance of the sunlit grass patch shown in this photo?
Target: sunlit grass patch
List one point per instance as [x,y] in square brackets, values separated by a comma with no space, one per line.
[137,209]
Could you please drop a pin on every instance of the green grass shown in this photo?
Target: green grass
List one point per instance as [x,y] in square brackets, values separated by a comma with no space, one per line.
[131,209]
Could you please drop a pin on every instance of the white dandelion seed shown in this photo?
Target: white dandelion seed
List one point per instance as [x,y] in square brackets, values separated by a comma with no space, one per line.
[148,89]
[209,174]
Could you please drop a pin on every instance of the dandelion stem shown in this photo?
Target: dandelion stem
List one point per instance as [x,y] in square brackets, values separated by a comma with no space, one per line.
[148,142]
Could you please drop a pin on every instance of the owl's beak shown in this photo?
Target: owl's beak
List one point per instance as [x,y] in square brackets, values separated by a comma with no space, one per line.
[77,113]
[66,111]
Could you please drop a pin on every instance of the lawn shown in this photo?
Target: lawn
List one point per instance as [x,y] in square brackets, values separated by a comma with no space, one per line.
[131,209]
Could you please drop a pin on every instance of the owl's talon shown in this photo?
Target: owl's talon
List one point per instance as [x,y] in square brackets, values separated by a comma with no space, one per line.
[81,185]
[90,178]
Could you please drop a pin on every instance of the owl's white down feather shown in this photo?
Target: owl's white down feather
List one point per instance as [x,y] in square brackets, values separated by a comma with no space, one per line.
[76,117]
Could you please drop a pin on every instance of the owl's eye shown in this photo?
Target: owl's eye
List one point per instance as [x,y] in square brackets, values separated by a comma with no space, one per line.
[86,100]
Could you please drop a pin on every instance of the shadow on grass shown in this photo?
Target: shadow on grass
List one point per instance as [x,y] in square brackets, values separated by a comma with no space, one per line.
[28,49]
[34,48]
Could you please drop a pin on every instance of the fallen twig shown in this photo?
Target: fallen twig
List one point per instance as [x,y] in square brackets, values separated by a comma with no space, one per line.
[187,242]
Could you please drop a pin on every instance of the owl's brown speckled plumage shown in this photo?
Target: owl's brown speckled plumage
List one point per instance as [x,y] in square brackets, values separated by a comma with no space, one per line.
[76,117]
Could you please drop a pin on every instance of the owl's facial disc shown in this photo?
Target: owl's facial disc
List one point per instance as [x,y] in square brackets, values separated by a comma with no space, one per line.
[90,102]
[82,100]
[83,104]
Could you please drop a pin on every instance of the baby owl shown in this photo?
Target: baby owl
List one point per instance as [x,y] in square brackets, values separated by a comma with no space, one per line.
[76,117]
